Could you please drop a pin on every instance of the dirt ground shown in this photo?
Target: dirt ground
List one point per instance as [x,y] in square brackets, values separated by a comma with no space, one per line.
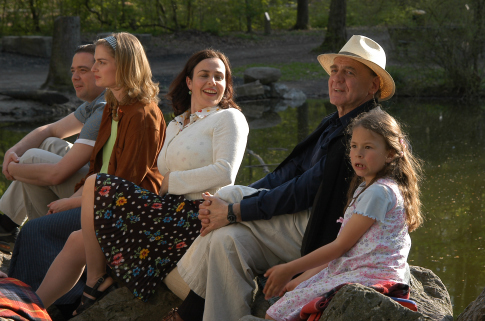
[168,53]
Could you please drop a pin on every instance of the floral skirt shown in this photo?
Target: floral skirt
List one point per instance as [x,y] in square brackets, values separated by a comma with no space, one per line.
[142,234]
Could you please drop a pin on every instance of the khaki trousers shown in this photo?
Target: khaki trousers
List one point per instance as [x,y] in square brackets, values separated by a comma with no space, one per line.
[22,200]
[221,266]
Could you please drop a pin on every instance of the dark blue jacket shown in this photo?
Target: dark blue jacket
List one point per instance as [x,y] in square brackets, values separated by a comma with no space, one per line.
[323,187]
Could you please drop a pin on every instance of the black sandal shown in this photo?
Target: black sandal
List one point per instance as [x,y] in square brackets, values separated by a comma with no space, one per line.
[86,302]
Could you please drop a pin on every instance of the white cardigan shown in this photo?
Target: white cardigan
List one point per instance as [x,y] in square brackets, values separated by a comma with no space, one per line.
[206,155]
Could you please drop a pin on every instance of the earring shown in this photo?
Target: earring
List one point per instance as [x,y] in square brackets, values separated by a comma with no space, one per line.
[190,92]
[374,98]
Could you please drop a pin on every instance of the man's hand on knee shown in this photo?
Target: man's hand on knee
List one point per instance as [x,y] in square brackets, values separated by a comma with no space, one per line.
[9,157]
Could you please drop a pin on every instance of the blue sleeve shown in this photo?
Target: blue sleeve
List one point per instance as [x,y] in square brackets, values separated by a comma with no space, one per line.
[375,202]
[292,196]
[279,176]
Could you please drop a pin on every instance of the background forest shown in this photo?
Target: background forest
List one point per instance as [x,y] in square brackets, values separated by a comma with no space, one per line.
[443,39]
[28,17]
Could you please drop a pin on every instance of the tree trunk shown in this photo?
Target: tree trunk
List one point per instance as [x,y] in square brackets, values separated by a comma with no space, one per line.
[477,44]
[66,38]
[249,18]
[302,15]
[189,14]
[35,15]
[123,13]
[336,35]
[174,10]
[3,16]
[162,9]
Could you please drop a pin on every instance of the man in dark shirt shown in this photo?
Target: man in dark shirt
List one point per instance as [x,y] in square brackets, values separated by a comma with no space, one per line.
[291,211]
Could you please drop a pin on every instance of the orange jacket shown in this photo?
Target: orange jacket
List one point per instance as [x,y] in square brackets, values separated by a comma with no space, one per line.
[141,133]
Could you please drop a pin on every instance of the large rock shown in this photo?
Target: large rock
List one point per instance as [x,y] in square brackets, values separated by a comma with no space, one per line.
[475,311]
[15,110]
[295,94]
[430,294]
[28,45]
[357,302]
[278,90]
[253,90]
[266,75]
[120,305]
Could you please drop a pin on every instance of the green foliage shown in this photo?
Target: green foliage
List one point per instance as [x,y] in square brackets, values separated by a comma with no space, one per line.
[449,37]
[292,71]
[25,17]
[373,13]
[417,81]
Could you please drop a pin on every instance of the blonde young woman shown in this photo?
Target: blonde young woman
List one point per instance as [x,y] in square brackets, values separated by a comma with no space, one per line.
[130,138]
[132,123]
[140,234]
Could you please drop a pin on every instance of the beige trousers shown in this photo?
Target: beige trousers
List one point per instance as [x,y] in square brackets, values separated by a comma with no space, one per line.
[221,266]
[22,200]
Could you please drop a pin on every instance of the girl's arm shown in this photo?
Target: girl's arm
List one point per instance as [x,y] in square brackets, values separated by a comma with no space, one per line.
[290,286]
[278,276]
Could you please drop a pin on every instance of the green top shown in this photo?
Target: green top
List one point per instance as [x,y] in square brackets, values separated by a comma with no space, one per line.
[108,147]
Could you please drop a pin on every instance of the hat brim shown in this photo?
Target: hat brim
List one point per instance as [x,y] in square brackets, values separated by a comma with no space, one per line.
[387,86]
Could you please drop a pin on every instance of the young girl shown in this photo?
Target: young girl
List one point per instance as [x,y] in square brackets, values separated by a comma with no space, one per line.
[373,243]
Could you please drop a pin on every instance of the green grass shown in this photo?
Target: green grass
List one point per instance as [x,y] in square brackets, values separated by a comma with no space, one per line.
[292,71]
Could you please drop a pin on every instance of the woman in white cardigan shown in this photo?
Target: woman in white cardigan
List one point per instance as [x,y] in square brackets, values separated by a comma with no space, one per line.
[141,235]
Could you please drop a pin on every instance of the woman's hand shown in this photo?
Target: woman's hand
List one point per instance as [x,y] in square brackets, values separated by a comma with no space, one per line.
[3,275]
[279,277]
[61,205]
[164,187]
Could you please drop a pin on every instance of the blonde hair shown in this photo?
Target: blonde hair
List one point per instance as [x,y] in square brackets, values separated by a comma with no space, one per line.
[405,168]
[133,73]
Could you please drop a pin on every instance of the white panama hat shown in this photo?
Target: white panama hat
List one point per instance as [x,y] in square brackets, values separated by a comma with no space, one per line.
[371,54]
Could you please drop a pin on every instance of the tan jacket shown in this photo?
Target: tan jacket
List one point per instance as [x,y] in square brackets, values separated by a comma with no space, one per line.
[141,133]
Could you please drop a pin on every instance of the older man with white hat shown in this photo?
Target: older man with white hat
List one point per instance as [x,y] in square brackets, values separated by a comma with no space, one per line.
[290,212]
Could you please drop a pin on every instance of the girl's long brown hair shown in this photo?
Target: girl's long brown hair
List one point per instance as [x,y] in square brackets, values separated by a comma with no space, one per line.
[405,168]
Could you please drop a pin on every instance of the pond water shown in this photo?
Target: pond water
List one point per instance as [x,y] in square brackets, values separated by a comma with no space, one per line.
[448,137]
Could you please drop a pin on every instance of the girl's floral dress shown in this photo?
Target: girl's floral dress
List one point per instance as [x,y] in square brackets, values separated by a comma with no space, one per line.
[379,255]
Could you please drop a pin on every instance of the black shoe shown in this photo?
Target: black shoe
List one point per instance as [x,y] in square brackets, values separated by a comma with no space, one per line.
[7,239]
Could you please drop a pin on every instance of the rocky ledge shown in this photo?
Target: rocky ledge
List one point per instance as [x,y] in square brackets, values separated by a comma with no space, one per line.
[352,302]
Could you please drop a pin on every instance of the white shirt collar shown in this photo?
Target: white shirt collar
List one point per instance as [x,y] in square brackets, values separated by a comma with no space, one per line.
[200,114]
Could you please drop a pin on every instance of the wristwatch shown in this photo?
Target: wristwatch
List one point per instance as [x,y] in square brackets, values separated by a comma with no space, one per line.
[231,217]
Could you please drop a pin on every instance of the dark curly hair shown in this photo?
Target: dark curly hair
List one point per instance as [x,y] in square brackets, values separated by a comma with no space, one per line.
[178,92]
